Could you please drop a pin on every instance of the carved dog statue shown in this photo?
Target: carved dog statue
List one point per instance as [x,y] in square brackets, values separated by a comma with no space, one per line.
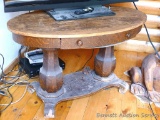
[146,80]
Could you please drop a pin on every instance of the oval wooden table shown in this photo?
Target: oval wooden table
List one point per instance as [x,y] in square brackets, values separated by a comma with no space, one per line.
[38,29]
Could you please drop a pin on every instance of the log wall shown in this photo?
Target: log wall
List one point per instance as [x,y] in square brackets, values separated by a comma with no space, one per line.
[152,9]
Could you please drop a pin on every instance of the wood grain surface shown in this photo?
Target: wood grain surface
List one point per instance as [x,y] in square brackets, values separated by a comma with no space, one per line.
[32,29]
[51,78]
[30,107]
[105,62]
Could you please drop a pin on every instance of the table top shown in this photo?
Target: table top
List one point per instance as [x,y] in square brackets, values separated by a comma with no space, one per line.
[40,25]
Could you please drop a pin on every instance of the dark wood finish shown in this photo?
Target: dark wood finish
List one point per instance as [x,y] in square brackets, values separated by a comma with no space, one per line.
[105,62]
[38,29]
[51,78]
[98,41]
[74,43]
[36,41]
[93,32]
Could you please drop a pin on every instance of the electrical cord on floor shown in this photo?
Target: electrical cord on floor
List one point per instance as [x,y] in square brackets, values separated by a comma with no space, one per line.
[87,61]
[9,85]
[3,75]
[149,38]
[9,102]
[19,56]
[16,83]
[10,95]
[6,84]
[16,100]
[13,78]
[1,67]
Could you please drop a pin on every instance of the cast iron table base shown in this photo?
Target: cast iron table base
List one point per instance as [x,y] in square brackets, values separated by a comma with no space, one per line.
[76,85]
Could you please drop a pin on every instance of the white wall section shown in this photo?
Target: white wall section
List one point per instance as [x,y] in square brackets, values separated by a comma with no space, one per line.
[8,47]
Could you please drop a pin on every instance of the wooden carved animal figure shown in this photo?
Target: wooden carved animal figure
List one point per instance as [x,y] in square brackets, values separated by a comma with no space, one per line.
[148,76]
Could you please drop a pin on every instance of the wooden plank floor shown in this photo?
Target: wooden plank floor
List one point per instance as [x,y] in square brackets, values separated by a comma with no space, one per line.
[105,102]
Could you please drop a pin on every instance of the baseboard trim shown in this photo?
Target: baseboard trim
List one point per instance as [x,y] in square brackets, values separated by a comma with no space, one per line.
[11,65]
[14,62]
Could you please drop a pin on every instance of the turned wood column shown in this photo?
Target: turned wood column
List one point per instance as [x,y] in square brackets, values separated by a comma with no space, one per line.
[105,61]
[51,78]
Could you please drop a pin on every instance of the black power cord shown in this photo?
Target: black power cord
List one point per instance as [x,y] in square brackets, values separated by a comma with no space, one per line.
[158,58]
[87,61]
[7,87]
[1,67]
[9,84]
[10,95]
[149,38]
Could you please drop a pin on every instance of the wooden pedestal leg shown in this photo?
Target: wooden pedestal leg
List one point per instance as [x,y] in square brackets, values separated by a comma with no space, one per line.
[76,84]
[51,78]
[105,61]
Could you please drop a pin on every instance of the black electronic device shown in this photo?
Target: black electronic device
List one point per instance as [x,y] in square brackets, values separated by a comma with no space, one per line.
[80,13]
[33,70]
[26,5]
[68,9]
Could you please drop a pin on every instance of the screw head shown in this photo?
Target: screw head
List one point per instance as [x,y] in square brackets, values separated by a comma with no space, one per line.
[79,43]
[128,35]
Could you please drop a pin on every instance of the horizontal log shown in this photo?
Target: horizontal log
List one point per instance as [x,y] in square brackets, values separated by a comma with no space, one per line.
[148,7]
[154,35]
[152,9]
[138,46]
[153,21]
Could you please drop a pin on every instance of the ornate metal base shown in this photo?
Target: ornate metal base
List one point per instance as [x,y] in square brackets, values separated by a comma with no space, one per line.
[76,85]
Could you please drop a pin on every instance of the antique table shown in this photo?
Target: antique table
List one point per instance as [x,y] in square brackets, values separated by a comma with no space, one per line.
[38,29]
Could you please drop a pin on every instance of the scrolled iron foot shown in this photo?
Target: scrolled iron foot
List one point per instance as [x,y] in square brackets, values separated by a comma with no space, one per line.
[123,86]
[113,80]
[49,110]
